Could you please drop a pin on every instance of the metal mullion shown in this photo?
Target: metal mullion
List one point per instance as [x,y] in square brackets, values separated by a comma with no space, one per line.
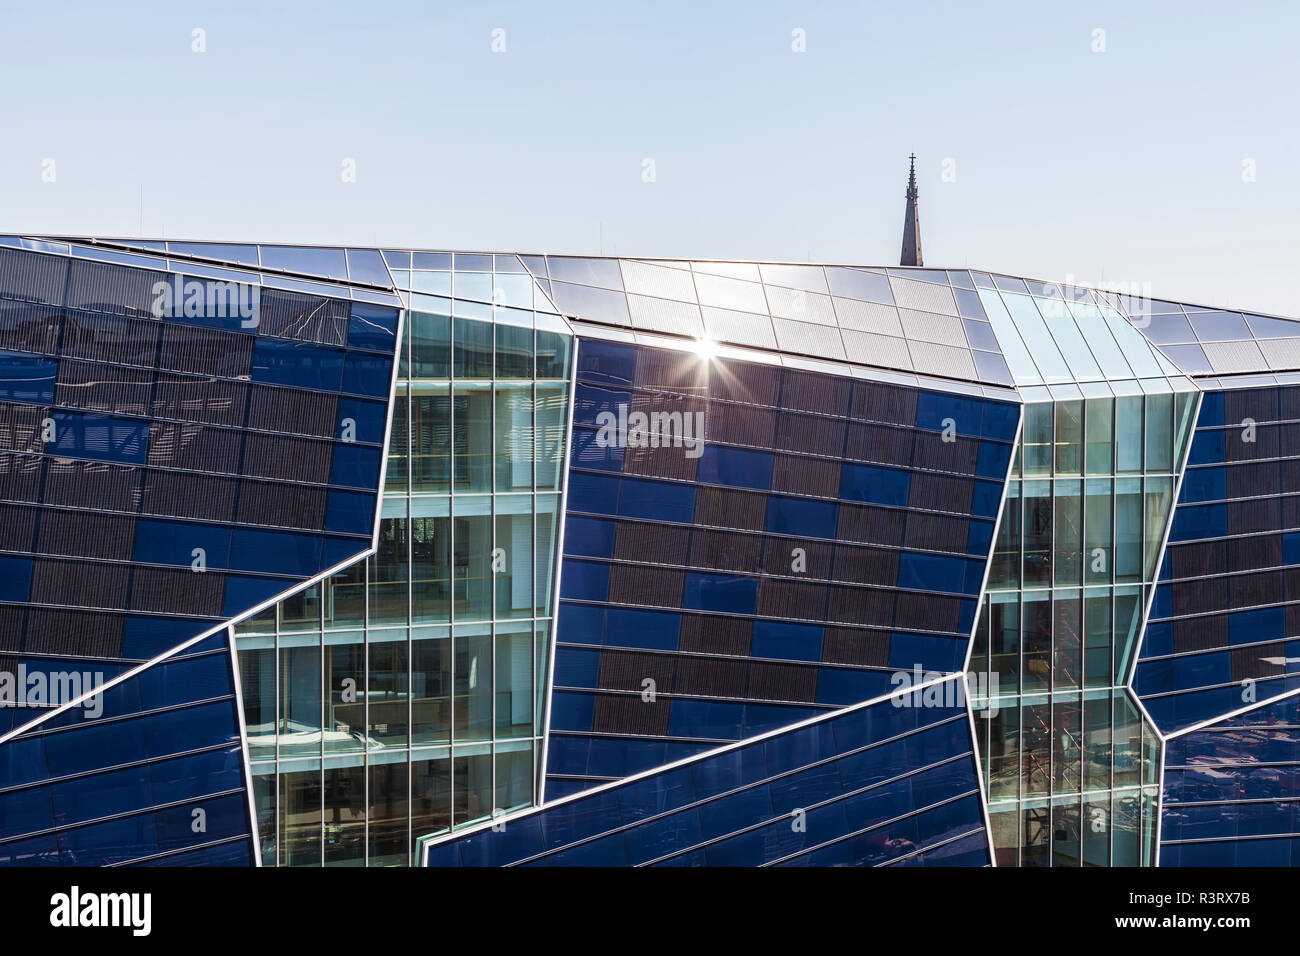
[410,609]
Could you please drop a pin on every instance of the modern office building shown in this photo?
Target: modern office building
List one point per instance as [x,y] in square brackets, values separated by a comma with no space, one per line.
[323,556]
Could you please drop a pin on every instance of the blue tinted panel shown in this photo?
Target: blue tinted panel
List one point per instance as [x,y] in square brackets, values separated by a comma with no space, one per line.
[27,378]
[100,437]
[299,364]
[801,517]
[738,467]
[275,552]
[718,592]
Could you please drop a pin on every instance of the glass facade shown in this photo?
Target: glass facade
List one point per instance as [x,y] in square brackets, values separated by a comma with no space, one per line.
[1225,624]
[886,784]
[823,534]
[1070,764]
[177,447]
[403,697]
[746,503]
[1230,791]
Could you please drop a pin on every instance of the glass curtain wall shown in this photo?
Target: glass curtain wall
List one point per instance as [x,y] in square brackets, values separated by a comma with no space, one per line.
[403,696]
[1070,767]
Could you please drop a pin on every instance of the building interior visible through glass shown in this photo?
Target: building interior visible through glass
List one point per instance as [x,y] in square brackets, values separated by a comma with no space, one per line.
[403,696]
[1071,767]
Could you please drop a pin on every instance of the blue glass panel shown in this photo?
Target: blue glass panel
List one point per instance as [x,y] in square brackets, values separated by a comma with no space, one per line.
[300,364]
[800,516]
[100,437]
[1205,521]
[738,467]
[591,450]
[368,375]
[933,572]
[1248,627]
[15,579]
[593,493]
[576,667]
[369,420]
[350,513]
[1203,484]
[786,641]
[243,593]
[840,686]
[934,410]
[882,486]
[355,466]
[584,580]
[27,378]
[579,624]
[629,627]
[174,542]
[994,459]
[718,592]
[606,362]
[275,552]
[657,500]
[722,720]
[590,537]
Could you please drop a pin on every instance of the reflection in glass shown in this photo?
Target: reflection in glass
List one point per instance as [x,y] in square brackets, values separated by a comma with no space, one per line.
[1097,622]
[1037,641]
[472,707]
[1038,533]
[1159,501]
[1004,571]
[300,815]
[551,423]
[1069,438]
[398,470]
[514,681]
[257,680]
[1066,837]
[1067,644]
[345,709]
[390,838]
[1128,434]
[514,541]
[345,814]
[386,697]
[514,438]
[472,534]
[300,696]
[430,560]
[514,775]
[430,686]
[430,345]
[430,430]
[514,348]
[1160,433]
[1128,529]
[1068,532]
[1096,740]
[390,571]
[1067,751]
[1036,449]
[472,462]
[1100,446]
[1098,538]
[472,349]
[430,793]
[472,777]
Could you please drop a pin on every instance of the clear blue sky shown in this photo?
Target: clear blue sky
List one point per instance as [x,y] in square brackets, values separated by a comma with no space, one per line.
[1122,165]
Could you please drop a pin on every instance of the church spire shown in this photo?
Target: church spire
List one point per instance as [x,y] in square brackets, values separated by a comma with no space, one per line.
[911,222]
